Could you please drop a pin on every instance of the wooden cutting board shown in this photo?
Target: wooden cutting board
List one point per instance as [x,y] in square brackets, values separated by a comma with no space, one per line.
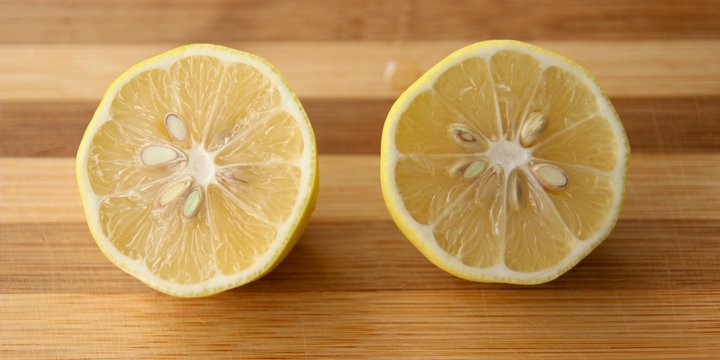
[353,286]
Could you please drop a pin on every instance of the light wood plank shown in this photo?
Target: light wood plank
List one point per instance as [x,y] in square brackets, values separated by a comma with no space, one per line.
[133,21]
[520,323]
[352,70]
[648,255]
[660,187]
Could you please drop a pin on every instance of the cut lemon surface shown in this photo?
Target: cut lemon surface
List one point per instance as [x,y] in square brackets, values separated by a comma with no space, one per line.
[198,171]
[504,162]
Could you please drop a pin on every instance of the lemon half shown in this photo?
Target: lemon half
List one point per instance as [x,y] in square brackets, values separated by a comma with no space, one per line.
[198,171]
[505,162]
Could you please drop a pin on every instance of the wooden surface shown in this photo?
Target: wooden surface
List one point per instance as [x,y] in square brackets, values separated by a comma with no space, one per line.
[354,287]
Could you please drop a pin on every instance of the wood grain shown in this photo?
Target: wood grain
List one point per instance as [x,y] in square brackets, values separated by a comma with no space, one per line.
[354,287]
[354,126]
[342,126]
[133,21]
[373,255]
[397,323]
[351,70]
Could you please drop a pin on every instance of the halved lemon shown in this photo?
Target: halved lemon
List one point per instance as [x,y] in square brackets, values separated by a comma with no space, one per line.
[504,162]
[198,171]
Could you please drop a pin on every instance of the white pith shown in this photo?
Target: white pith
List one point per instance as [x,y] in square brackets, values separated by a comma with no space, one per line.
[202,168]
[201,165]
[509,155]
